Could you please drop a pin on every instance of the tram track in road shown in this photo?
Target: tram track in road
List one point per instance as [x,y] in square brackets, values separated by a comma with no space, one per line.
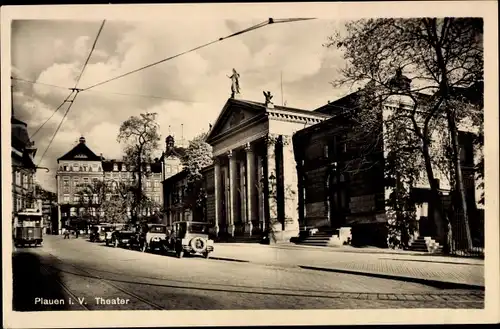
[64,288]
[454,297]
[85,275]
[159,290]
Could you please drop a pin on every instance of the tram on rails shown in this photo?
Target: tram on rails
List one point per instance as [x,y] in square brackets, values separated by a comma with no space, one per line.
[28,228]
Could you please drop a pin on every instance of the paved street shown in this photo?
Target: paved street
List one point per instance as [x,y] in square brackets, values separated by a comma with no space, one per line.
[441,270]
[106,278]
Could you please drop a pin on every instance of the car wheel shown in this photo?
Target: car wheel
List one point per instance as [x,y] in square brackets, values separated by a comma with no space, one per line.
[206,255]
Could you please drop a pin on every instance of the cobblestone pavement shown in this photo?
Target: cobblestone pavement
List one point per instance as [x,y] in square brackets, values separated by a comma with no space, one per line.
[439,268]
[78,269]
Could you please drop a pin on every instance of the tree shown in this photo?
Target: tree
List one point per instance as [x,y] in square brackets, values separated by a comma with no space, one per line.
[90,198]
[141,137]
[198,155]
[442,56]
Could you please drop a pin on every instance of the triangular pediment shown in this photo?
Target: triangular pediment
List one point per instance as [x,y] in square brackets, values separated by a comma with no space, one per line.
[234,115]
[80,152]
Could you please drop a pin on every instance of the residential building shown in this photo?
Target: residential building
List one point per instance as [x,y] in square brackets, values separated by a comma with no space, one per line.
[81,167]
[119,172]
[77,168]
[23,167]
[175,199]
[171,158]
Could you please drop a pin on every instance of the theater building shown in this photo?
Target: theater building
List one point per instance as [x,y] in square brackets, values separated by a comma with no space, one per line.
[254,188]
[332,196]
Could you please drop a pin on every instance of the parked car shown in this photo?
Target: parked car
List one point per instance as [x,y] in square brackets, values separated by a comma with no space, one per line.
[150,237]
[109,232]
[98,232]
[123,237]
[191,238]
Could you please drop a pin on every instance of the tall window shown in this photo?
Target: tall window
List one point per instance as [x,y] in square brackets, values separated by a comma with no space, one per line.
[66,185]
[66,198]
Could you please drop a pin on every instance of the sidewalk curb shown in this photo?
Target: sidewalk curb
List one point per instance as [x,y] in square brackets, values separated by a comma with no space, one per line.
[430,282]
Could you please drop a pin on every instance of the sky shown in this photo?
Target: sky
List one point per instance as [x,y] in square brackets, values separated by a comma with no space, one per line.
[189,90]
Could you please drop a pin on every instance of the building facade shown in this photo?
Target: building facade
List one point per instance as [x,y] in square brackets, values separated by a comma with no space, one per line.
[332,195]
[171,158]
[77,169]
[81,167]
[174,183]
[254,189]
[23,167]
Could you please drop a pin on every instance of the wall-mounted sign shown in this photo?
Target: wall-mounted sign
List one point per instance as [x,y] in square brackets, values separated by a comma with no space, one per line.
[81,156]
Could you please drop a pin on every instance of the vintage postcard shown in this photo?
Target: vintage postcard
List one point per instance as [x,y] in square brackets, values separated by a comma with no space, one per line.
[250,164]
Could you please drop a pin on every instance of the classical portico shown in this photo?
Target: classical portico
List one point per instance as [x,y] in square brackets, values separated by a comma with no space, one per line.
[255,179]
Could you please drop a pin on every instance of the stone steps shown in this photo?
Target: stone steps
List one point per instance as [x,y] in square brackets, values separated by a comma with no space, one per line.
[426,244]
[321,239]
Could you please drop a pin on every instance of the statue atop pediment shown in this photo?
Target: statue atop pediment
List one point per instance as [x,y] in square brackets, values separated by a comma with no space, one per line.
[235,83]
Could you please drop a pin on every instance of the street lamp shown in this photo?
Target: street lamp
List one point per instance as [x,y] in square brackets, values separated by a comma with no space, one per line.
[272,179]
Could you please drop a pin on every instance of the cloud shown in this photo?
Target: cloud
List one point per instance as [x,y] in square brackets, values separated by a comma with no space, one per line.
[191,89]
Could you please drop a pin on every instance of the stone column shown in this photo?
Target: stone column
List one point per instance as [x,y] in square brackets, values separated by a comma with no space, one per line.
[243,197]
[274,226]
[250,189]
[233,191]
[290,186]
[217,195]
[301,196]
[260,197]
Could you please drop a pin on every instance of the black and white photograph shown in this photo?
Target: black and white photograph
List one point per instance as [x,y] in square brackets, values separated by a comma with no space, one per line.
[306,160]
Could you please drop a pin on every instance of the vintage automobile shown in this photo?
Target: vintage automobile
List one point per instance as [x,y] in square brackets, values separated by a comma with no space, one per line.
[190,237]
[109,230]
[123,237]
[150,237]
[98,232]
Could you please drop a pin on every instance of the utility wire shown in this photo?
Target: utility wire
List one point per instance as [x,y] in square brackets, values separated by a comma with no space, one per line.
[90,53]
[109,92]
[254,27]
[71,102]
[53,113]
[38,83]
[74,90]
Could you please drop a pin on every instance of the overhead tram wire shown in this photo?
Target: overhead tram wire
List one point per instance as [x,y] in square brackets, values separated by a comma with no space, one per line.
[254,27]
[53,113]
[38,83]
[74,90]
